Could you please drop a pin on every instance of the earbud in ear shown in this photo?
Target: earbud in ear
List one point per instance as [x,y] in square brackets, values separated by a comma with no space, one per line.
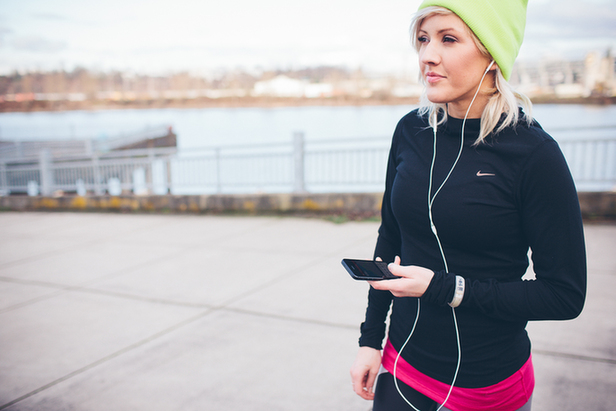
[490,66]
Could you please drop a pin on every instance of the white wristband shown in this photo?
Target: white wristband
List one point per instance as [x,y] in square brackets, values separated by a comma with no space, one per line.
[459,292]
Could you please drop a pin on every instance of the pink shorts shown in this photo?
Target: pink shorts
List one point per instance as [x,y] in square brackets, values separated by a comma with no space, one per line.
[508,395]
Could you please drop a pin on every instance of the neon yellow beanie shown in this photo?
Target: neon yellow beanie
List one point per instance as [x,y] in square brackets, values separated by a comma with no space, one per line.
[499,24]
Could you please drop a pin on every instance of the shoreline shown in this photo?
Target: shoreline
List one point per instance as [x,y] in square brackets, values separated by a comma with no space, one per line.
[250,102]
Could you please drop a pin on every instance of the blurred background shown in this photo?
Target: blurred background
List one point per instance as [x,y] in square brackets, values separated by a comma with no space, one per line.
[196,75]
[199,45]
[205,39]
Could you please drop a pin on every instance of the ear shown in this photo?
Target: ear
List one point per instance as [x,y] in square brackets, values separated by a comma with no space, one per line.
[491,66]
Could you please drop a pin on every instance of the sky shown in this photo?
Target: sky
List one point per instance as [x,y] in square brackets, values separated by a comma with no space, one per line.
[205,36]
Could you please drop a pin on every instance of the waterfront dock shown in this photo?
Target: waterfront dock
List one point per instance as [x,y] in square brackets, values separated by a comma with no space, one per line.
[112,311]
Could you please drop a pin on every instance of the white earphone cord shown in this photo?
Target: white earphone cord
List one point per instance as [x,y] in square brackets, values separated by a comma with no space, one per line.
[438,240]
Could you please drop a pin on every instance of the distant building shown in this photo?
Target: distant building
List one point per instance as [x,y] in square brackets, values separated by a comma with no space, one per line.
[599,78]
[280,86]
[283,86]
[318,90]
[593,76]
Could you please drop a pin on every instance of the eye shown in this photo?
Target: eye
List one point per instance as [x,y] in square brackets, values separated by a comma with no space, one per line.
[422,39]
[449,39]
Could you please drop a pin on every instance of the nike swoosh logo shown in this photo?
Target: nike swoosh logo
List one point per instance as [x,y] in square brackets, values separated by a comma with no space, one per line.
[480,174]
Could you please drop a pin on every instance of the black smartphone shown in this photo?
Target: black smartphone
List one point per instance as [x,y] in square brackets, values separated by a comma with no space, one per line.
[367,269]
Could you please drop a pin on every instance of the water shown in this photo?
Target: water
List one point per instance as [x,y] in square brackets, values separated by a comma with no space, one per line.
[592,165]
[208,127]
[240,126]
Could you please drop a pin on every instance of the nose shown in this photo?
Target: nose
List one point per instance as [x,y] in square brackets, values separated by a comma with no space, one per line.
[428,54]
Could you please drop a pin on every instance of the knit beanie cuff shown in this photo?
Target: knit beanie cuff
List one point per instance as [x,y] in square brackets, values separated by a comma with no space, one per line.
[499,25]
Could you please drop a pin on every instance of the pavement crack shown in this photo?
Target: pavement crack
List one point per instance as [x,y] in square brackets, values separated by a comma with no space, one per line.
[289,318]
[286,275]
[109,357]
[62,289]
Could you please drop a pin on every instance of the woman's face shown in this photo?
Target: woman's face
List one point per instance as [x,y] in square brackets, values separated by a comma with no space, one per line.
[452,65]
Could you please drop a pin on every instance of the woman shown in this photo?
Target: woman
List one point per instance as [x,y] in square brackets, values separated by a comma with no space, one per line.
[472,184]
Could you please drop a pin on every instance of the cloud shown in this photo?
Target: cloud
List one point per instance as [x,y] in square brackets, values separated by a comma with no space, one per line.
[3,32]
[38,44]
[568,29]
[153,34]
[587,19]
[48,16]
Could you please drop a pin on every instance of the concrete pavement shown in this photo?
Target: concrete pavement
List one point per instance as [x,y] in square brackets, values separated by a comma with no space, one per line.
[187,312]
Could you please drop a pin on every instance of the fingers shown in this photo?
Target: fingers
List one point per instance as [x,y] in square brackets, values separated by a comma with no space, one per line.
[370,384]
[413,281]
[398,270]
[358,380]
[393,286]
[363,385]
[395,267]
[364,371]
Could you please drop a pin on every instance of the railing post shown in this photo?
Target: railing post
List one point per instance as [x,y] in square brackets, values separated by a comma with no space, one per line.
[150,171]
[160,185]
[298,159]
[4,189]
[218,173]
[168,176]
[97,175]
[47,183]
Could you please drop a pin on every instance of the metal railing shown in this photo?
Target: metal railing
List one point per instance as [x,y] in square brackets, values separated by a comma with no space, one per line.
[592,163]
[345,165]
[75,147]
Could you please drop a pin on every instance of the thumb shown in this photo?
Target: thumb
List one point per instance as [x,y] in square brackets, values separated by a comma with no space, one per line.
[395,267]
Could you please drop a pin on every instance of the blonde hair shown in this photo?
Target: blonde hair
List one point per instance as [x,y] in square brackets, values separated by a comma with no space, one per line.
[503,100]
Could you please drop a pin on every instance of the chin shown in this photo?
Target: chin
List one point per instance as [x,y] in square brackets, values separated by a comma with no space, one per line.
[436,97]
[437,100]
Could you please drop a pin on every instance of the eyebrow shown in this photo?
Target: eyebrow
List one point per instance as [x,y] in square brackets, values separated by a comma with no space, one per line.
[441,30]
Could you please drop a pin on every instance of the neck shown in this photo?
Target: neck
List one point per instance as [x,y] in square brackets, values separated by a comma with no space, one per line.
[459,109]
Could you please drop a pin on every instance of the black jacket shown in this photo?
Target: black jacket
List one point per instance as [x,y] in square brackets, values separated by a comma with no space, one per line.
[505,196]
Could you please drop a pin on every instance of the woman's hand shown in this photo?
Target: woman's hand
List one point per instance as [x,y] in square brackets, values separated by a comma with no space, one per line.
[364,371]
[414,282]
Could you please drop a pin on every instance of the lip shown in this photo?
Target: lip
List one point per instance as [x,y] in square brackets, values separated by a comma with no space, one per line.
[432,77]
